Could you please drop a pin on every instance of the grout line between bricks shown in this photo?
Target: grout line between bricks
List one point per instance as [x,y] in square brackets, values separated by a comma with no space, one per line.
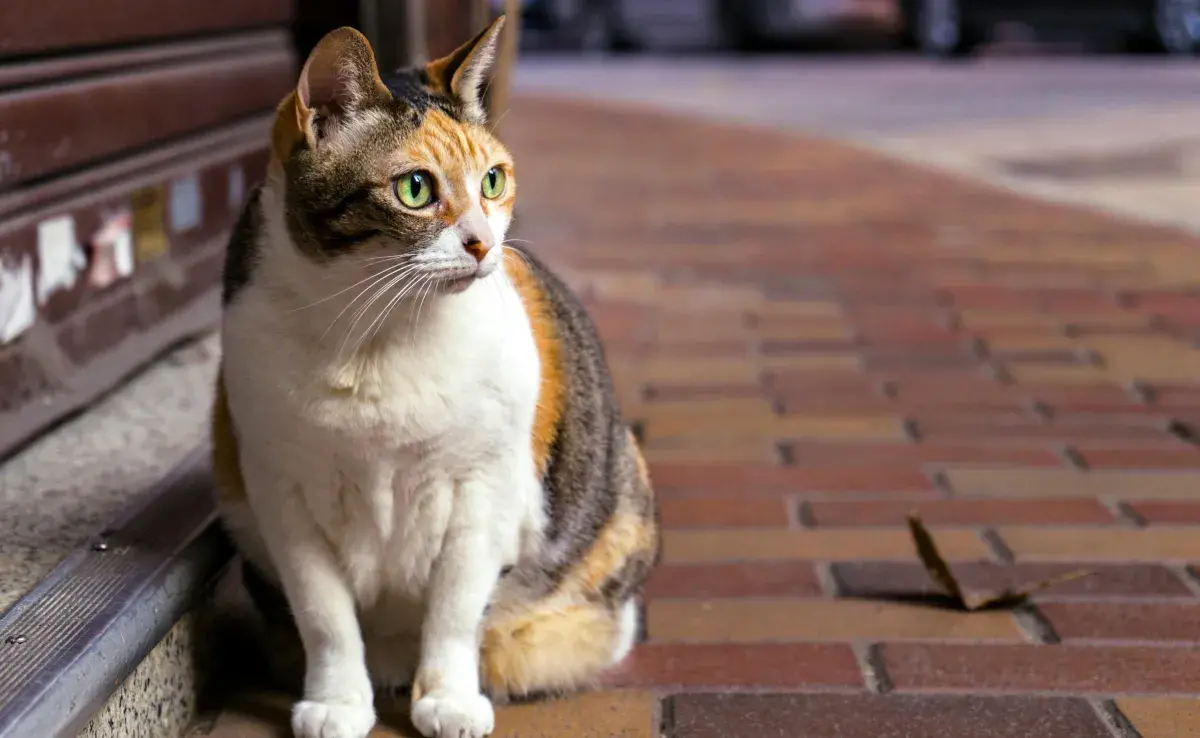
[1182,431]
[1123,512]
[1114,720]
[1074,458]
[911,429]
[996,545]
[666,717]
[1035,626]
[1040,410]
[1140,392]
[870,662]
[800,514]
[828,580]
[940,481]
[787,455]
[1187,575]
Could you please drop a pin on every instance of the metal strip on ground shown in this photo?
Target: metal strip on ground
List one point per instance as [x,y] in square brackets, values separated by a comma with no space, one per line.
[68,644]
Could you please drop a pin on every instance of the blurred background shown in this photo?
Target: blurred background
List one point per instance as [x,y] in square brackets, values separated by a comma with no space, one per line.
[942,28]
[773,294]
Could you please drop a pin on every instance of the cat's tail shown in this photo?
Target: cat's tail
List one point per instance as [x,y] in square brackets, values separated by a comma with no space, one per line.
[555,648]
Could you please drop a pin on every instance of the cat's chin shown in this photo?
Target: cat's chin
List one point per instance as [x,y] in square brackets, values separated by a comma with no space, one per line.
[455,285]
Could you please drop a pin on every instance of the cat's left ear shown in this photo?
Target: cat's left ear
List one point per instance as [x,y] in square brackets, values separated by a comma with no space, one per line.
[462,72]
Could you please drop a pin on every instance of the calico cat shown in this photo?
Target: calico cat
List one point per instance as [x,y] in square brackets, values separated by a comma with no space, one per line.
[415,435]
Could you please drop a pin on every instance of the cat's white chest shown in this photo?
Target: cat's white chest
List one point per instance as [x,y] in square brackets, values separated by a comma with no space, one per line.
[378,449]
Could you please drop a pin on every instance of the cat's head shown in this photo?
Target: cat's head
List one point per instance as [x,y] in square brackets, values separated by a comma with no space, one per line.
[400,175]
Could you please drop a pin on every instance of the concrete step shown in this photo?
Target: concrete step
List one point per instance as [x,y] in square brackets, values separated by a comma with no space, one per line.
[116,640]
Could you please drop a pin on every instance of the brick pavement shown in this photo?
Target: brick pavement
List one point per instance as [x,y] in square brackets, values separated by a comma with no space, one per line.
[814,340]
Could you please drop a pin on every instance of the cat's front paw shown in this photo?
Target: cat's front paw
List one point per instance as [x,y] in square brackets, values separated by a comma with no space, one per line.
[332,720]
[446,714]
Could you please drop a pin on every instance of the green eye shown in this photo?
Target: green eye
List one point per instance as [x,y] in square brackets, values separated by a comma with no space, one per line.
[415,189]
[493,183]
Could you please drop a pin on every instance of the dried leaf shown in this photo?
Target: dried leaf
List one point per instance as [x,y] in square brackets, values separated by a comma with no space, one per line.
[940,572]
[937,567]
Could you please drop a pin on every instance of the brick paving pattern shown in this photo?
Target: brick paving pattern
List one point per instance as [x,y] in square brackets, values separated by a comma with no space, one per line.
[813,341]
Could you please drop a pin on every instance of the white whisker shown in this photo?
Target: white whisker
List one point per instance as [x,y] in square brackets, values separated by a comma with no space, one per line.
[395,272]
[347,289]
[381,320]
[358,316]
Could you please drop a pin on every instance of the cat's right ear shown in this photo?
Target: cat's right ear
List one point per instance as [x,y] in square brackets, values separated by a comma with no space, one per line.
[339,79]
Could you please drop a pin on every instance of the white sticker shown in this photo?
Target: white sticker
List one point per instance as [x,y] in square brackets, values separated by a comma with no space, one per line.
[237,187]
[185,208]
[59,257]
[17,307]
[112,248]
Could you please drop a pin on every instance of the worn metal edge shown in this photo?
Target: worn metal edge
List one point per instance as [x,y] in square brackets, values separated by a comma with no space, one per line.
[133,170]
[69,643]
[16,73]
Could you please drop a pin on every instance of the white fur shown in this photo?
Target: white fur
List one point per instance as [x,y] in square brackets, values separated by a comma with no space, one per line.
[390,479]
[627,631]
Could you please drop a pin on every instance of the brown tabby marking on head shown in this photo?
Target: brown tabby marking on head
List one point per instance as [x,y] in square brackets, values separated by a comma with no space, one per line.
[344,137]
[545,334]
[338,79]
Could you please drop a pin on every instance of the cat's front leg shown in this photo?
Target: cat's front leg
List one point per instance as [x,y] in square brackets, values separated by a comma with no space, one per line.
[338,696]
[447,702]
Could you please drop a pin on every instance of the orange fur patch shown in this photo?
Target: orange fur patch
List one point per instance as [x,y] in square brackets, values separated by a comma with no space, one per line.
[620,540]
[545,334]
[457,153]
[227,470]
[288,132]
[643,471]
[551,647]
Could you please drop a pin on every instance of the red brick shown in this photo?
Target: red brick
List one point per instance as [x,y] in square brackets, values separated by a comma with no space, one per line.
[1039,356]
[701,392]
[1168,304]
[874,716]
[1167,395]
[759,579]
[698,349]
[898,325]
[948,452]
[787,665]
[1168,512]
[945,428]
[1027,668]
[822,402]
[800,346]
[1098,398]
[1126,621]
[960,512]
[724,512]
[797,384]
[920,389]
[705,479]
[885,579]
[1100,457]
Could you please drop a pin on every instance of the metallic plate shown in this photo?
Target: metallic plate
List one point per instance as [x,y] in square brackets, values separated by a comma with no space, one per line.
[69,643]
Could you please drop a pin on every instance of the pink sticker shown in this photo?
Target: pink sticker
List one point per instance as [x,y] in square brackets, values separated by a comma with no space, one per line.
[112,248]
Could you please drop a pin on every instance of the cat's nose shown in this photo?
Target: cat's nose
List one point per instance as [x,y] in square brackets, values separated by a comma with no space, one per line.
[475,247]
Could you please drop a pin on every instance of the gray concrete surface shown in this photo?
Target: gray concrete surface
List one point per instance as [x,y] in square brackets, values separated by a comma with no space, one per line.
[65,487]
